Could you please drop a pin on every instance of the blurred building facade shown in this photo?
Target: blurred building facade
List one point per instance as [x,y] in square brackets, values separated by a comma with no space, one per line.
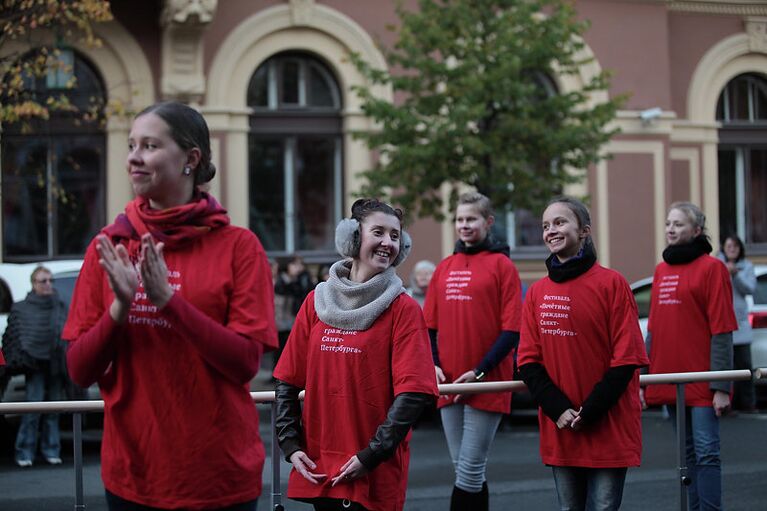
[274,82]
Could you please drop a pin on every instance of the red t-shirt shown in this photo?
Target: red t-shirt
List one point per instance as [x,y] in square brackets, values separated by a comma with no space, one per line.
[2,358]
[351,379]
[178,433]
[579,329]
[470,300]
[689,304]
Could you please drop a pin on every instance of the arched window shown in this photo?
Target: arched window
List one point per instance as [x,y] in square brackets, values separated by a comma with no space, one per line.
[742,110]
[295,156]
[521,228]
[53,171]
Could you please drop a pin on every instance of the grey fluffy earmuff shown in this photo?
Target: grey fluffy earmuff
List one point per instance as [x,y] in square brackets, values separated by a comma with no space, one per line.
[348,241]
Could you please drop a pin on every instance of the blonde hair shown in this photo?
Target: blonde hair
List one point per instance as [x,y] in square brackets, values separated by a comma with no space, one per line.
[693,214]
[481,202]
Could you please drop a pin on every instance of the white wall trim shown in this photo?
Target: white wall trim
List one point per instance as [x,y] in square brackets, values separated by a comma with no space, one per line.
[692,156]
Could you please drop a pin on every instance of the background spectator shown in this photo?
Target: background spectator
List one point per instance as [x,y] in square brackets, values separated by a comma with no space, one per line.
[419,280]
[291,286]
[733,253]
[35,324]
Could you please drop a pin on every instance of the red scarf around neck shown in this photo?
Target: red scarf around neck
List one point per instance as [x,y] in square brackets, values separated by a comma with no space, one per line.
[173,226]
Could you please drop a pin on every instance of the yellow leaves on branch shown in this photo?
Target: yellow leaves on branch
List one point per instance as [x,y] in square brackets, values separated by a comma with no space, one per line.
[18,17]
[24,110]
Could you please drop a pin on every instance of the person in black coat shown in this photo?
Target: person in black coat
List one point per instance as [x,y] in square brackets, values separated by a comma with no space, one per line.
[35,325]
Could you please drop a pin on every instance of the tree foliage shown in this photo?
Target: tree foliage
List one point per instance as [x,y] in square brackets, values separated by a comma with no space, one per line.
[43,28]
[474,107]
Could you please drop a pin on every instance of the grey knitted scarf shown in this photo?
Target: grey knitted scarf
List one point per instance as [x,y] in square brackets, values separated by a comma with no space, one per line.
[348,305]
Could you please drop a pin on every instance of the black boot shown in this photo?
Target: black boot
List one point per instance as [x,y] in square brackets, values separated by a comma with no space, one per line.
[462,500]
[483,500]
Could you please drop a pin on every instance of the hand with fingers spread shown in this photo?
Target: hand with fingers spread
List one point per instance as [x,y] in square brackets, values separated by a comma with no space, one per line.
[121,274]
[350,471]
[154,272]
[303,464]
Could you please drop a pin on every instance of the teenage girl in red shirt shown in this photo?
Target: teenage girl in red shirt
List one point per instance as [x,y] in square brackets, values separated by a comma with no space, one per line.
[473,309]
[579,352]
[690,329]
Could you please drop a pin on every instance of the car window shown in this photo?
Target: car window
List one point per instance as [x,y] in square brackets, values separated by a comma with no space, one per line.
[642,297]
[64,283]
[760,296]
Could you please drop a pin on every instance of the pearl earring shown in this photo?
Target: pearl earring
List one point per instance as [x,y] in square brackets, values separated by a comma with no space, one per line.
[187,170]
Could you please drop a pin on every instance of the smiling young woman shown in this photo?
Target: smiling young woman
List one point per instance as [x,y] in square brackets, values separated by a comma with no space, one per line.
[579,352]
[359,347]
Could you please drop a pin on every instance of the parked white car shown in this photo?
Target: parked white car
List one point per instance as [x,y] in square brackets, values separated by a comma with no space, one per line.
[757,316]
[15,283]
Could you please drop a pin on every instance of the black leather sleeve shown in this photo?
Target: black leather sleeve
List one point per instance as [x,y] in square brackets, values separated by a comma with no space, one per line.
[549,397]
[288,421]
[403,413]
[606,393]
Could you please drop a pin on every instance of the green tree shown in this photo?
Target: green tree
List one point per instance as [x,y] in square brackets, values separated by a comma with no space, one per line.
[474,108]
[43,27]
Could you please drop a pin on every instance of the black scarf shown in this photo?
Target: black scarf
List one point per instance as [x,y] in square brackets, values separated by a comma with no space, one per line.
[574,267]
[489,244]
[687,252]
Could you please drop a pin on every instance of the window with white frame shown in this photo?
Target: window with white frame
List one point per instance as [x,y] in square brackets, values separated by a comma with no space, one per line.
[295,156]
[742,110]
[53,171]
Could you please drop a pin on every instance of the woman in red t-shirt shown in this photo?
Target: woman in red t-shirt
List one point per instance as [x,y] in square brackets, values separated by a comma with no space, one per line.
[473,309]
[690,329]
[171,313]
[360,349]
[579,353]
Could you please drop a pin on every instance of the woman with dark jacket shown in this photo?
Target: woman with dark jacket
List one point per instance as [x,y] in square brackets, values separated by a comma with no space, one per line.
[35,324]
[360,349]
[733,254]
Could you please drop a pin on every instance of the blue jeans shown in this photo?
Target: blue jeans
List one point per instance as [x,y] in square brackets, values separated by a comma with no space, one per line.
[469,433]
[40,386]
[589,489]
[704,466]
[115,503]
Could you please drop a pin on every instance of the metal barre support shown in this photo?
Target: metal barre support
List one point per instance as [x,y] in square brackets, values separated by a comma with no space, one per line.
[276,485]
[77,430]
[681,442]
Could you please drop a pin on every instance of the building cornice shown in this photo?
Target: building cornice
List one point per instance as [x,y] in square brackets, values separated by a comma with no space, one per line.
[733,7]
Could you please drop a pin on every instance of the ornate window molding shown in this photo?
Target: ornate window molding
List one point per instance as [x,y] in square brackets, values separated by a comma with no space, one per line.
[737,54]
[184,22]
[738,8]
